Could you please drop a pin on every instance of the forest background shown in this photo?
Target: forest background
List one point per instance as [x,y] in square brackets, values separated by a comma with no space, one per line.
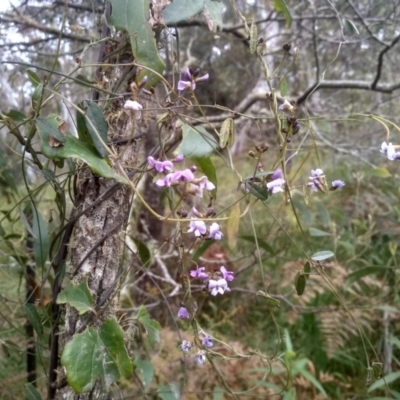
[92,248]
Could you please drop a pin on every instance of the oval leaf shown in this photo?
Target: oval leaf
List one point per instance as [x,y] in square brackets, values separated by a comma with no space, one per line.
[78,296]
[33,317]
[300,283]
[196,143]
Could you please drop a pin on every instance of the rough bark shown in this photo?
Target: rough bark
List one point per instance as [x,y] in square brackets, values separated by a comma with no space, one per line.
[97,241]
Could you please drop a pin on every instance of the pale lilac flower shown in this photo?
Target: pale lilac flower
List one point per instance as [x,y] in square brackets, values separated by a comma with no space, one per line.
[185,346]
[227,275]
[195,212]
[200,357]
[316,177]
[199,273]
[286,106]
[215,233]
[207,341]
[182,176]
[197,227]
[390,151]
[277,174]
[165,182]
[276,185]
[218,286]
[337,185]
[204,183]
[160,166]
[133,105]
[179,158]
[183,313]
[191,78]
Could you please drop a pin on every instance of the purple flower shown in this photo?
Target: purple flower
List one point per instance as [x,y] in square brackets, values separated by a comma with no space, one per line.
[197,227]
[199,273]
[191,78]
[185,346]
[204,183]
[317,178]
[286,106]
[276,185]
[160,166]
[182,176]
[227,275]
[277,174]
[218,286]
[337,185]
[390,151]
[179,158]
[200,357]
[215,233]
[183,313]
[195,190]
[164,182]
[207,341]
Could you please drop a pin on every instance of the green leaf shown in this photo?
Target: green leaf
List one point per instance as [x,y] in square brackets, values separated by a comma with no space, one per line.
[5,173]
[33,317]
[143,251]
[318,232]
[379,172]
[50,127]
[77,296]
[307,269]
[261,192]
[75,148]
[361,272]
[147,371]
[314,381]
[32,76]
[133,17]
[305,213]
[207,166]
[181,10]
[270,300]
[261,243]
[41,243]
[322,255]
[323,214]
[218,393]
[201,250]
[386,380]
[94,354]
[350,26]
[213,14]
[165,393]
[97,126]
[16,115]
[280,6]
[300,283]
[151,326]
[196,143]
[32,393]
[232,226]
[283,87]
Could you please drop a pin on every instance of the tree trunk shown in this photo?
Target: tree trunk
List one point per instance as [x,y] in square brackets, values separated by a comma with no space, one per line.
[97,241]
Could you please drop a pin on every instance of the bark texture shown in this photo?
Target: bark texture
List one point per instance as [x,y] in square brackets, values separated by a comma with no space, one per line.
[97,241]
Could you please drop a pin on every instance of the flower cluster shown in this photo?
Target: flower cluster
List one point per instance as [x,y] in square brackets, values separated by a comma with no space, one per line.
[390,151]
[191,77]
[200,356]
[174,178]
[199,229]
[216,282]
[318,182]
